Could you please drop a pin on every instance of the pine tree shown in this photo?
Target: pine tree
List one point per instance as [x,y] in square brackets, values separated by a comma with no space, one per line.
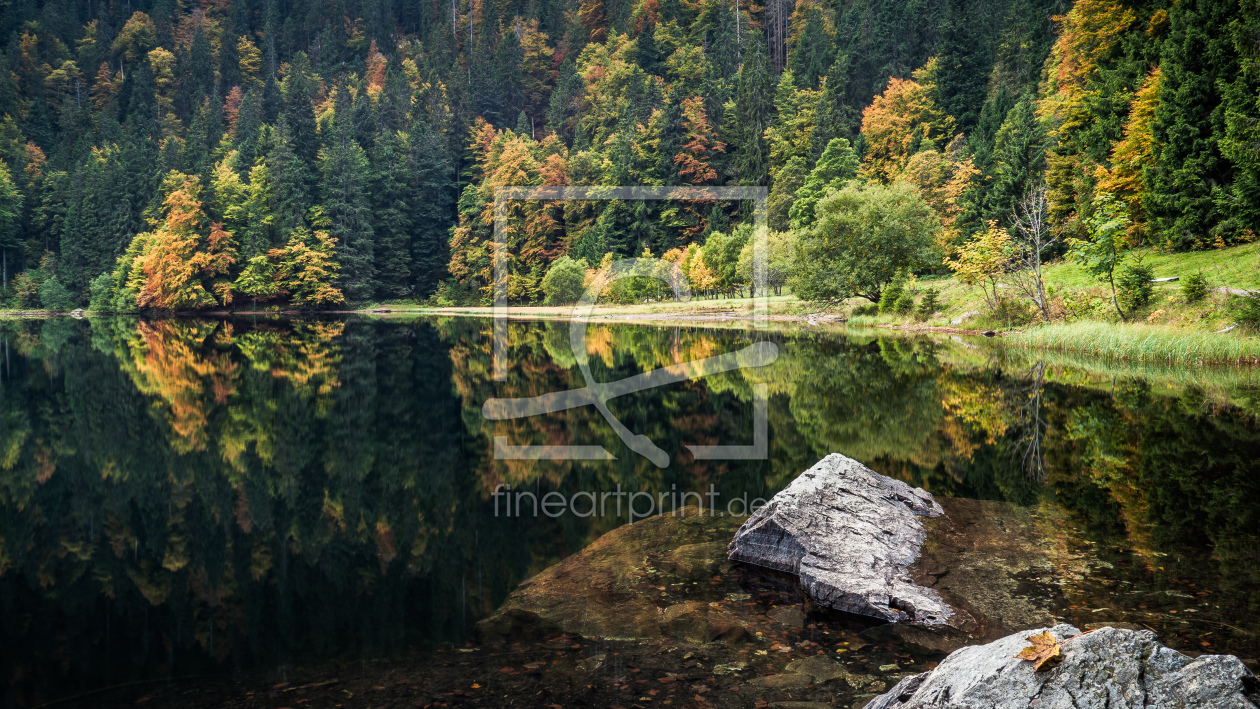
[1242,121]
[393,205]
[299,112]
[838,165]
[1019,159]
[289,177]
[750,116]
[836,117]
[811,48]
[259,233]
[433,171]
[10,214]
[248,133]
[346,204]
[1197,59]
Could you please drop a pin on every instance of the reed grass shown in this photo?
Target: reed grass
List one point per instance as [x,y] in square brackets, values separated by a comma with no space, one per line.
[1136,342]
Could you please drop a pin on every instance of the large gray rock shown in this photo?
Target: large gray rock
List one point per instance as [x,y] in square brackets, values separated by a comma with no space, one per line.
[849,533]
[1109,667]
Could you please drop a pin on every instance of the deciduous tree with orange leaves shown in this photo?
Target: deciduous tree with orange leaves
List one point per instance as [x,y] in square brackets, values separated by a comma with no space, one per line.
[186,262]
[695,159]
[897,123]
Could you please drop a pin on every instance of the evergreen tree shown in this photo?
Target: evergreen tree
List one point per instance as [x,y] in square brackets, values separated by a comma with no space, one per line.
[393,205]
[812,49]
[299,110]
[433,172]
[1242,120]
[750,116]
[345,202]
[248,133]
[838,165]
[289,177]
[835,116]
[1019,159]
[1198,59]
[10,213]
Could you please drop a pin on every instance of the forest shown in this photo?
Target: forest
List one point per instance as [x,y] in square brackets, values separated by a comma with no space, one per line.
[176,156]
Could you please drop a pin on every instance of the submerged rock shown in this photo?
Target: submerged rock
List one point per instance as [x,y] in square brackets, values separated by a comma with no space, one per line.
[609,589]
[1109,667]
[849,533]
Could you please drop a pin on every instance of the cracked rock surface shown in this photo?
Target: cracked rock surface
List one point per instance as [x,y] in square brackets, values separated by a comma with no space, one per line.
[1110,667]
[849,533]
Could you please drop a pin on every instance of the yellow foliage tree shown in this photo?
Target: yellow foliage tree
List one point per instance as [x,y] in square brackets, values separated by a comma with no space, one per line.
[983,260]
[942,178]
[306,272]
[185,263]
[897,123]
[1133,154]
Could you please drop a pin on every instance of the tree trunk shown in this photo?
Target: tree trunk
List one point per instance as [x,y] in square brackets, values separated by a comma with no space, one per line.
[1114,301]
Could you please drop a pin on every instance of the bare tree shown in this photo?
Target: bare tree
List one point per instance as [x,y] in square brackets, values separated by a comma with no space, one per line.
[1028,447]
[1033,238]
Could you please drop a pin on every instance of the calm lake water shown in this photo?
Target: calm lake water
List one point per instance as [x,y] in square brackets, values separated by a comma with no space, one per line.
[182,497]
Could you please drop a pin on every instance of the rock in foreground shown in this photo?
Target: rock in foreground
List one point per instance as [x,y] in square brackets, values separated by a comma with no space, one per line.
[1108,667]
[849,533]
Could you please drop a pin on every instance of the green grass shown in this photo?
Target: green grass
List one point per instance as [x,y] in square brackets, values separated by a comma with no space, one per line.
[1235,267]
[1141,343]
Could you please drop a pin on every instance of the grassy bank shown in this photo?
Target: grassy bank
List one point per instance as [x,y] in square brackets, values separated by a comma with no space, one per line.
[1168,331]
[1139,342]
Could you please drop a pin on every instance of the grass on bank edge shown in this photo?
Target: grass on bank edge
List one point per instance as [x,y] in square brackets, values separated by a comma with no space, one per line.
[1137,342]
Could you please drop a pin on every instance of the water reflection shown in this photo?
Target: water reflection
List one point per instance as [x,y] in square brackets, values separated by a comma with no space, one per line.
[186,496]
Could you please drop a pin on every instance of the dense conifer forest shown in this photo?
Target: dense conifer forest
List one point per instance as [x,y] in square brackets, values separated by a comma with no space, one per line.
[170,155]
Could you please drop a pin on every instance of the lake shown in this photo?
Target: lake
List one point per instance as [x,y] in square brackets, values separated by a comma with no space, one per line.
[201,497]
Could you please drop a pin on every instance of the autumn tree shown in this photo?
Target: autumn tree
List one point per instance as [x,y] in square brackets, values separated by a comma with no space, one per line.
[897,124]
[306,269]
[983,260]
[186,261]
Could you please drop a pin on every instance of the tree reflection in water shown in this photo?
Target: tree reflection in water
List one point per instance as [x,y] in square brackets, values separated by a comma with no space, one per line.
[182,496]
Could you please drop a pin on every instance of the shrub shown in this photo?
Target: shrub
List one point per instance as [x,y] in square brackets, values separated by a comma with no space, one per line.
[27,288]
[1247,310]
[930,304]
[563,283]
[1195,287]
[891,294]
[905,303]
[54,296]
[100,293]
[1133,285]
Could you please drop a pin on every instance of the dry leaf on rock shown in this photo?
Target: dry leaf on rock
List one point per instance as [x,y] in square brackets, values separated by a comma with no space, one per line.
[1045,649]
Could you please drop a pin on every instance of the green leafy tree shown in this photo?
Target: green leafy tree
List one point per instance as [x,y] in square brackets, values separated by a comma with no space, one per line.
[1104,251]
[837,165]
[864,237]
[306,269]
[563,283]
